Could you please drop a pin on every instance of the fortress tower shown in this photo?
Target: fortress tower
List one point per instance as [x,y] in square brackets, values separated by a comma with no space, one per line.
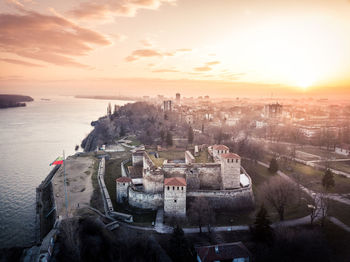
[175,196]
[122,184]
[230,170]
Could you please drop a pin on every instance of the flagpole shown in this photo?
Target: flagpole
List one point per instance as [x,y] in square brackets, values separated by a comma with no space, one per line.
[65,183]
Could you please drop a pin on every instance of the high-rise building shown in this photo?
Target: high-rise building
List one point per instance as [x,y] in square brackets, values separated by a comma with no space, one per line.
[178,98]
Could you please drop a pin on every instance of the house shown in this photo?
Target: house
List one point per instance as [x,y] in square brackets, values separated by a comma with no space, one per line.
[235,252]
[343,149]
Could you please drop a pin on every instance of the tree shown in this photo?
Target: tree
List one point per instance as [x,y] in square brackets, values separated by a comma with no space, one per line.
[201,213]
[122,131]
[180,248]
[273,168]
[261,230]
[109,109]
[169,139]
[328,180]
[190,135]
[279,193]
[162,135]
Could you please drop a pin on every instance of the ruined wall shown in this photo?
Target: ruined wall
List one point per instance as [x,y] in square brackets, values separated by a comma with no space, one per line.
[137,159]
[189,158]
[145,200]
[230,172]
[175,200]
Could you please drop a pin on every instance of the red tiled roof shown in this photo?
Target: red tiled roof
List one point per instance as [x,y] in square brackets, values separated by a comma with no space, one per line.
[230,155]
[220,147]
[124,179]
[175,181]
[227,251]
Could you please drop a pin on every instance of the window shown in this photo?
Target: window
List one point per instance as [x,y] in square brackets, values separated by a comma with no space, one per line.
[182,188]
[175,200]
[123,184]
[177,188]
[236,160]
[228,160]
[168,187]
[173,188]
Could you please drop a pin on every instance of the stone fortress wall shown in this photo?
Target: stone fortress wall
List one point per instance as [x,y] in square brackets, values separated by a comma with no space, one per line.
[203,180]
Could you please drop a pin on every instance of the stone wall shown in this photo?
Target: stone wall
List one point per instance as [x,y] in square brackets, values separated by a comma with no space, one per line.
[137,159]
[122,191]
[230,171]
[124,170]
[175,200]
[145,200]
[198,175]
[230,199]
[189,158]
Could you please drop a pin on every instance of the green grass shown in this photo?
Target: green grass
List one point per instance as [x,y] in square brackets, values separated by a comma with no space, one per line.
[113,171]
[338,240]
[141,217]
[259,175]
[134,141]
[203,157]
[343,166]
[340,211]
[312,178]
[319,152]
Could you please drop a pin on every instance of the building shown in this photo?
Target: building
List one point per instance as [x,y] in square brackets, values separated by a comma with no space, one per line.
[178,99]
[343,149]
[230,170]
[167,106]
[214,173]
[273,110]
[218,150]
[122,184]
[175,196]
[236,252]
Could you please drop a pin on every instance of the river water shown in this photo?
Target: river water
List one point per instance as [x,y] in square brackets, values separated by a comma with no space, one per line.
[31,138]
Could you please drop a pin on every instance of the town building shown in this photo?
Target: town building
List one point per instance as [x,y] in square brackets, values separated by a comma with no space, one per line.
[167,106]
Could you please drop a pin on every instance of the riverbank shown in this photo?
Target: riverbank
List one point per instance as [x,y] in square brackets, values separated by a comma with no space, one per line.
[7,101]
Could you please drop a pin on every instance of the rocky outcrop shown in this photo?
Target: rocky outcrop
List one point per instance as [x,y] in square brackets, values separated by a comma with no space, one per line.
[14,100]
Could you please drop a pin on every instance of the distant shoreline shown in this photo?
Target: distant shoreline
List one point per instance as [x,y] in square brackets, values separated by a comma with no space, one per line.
[8,101]
[122,98]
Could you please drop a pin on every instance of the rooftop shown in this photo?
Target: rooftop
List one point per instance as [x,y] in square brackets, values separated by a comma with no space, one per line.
[220,147]
[175,181]
[230,155]
[124,179]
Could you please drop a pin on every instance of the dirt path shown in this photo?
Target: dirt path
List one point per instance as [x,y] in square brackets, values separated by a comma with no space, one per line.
[79,185]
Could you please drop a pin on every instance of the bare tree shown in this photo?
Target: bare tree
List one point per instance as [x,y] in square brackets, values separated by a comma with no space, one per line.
[201,213]
[279,193]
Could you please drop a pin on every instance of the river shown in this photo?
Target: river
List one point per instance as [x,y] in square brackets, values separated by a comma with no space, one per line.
[30,138]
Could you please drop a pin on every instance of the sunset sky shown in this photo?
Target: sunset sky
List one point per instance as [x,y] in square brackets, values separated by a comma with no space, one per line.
[197,47]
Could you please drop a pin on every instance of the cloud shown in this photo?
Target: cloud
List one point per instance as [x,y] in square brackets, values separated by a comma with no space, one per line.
[203,68]
[144,53]
[212,63]
[48,38]
[19,62]
[165,71]
[107,9]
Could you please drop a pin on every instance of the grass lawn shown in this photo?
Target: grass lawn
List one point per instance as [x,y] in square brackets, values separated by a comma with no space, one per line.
[141,217]
[312,178]
[134,141]
[113,171]
[340,211]
[338,240]
[259,176]
[343,166]
[319,152]
[203,157]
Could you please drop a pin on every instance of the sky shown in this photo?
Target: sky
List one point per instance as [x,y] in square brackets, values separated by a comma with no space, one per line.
[196,47]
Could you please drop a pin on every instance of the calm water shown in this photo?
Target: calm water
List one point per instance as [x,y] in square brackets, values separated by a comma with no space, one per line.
[30,138]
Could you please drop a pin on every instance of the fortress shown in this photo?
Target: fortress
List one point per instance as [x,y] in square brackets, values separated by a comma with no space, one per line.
[152,181]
